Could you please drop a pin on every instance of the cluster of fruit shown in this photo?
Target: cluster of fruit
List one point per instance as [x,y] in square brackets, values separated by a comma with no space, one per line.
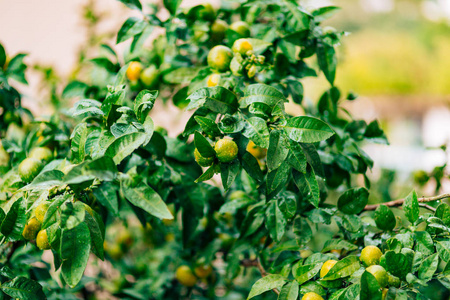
[371,257]
[137,75]
[188,277]
[33,230]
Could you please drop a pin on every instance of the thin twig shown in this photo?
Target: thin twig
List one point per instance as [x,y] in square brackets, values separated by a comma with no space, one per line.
[257,263]
[427,206]
[400,202]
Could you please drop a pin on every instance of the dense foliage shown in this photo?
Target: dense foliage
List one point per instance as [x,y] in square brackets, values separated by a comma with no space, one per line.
[232,207]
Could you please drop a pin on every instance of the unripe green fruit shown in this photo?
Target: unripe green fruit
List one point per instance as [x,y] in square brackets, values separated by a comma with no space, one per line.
[203,161]
[241,28]
[29,168]
[42,240]
[226,150]
[150,76]
[219,58]
[370,255]
[41,153]
[218,30]
[31,229]
[380,274]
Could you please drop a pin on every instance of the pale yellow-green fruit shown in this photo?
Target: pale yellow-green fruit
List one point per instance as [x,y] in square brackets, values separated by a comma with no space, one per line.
[226,150]
[380,274]
[326,267]
[40,211]
[213,80]
[242,46]
[42,240]
[370,255]
[29,168]
[202,161]
[219,58]
[311,296]
[185,276]
[242,28]
[31,229]
[41,153]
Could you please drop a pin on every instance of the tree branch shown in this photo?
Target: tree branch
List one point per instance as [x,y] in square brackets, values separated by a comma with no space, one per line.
[256,263]
[400,202]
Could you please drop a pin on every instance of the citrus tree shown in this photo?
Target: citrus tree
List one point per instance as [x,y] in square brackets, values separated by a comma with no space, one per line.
[251,200]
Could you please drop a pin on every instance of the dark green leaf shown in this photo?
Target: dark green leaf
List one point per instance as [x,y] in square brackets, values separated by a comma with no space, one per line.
[343,268]
[370,289]
[228,173]
[278,149]
[384,218]
[261,93]
[203,146]
[271,281]
[307,185]
[275,221]
[353,201]
[217,99]
[23,288]
[289,291]
[133,4]
[326,57]
[130,28]
[308,129]
[411,207]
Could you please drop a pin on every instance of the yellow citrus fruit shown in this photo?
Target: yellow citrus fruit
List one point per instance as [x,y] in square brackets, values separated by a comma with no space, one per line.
[326,267]
[40,211]
[42,240]
[305,253]
[134,70]
[29,168]
[31,229]
[311,296]
[241,28]
[213,80]
[185,276]
[203,271]
[256,151]
[370,255]
[226,150]
[237,195]
[218,30]
[124,238]
[150,76]
[203,161]
[242,46]
[41,153]
[380,274]
[219,58]
[170,237]
[114,250]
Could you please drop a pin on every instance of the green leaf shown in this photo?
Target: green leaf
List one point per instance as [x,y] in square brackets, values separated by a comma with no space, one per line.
[133,4]
[74,89]
[86,107]
[143,104]
[228,173]
[297,158]
[14,221]
[275,221]
[16,68]
[278,150]
[343,268]
[106,64]
[338,244]
[132,26]
[370,288]
[429,267]
[384,218]
[208,126]
[411,207]
[443,249]
[97,232]
[308,129]
[78,142]
[2,56]
[271,281]
[277,178]
[251,166]
[307,185]
[75,248]
[306,272]
[125,145]
[256,130]
[261,93]
[443,213]
[203,146]
[289,291]
[397,264]
[54,209]
[180,75]
[23,288]
[106,195]
[302,230]
[72,214]
[172,6]
[300,18]
[326,57]
[424,243]
[145,197]
[353,201]
[217,99]
[323,13]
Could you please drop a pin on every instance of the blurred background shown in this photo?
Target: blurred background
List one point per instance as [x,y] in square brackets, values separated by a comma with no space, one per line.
[396,57]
